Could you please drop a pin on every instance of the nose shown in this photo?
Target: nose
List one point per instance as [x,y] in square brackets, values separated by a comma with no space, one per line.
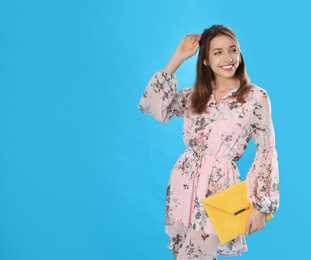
[228,57]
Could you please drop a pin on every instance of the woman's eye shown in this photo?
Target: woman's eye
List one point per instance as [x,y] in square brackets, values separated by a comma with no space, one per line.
[216,52]
[234,50]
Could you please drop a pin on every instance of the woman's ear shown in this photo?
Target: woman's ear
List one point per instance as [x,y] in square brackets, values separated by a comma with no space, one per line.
[205,62]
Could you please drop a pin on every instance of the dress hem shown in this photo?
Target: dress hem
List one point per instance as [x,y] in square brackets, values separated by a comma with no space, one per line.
[237,254]
[222,254]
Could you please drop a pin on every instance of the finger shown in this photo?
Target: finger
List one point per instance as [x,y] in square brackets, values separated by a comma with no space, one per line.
[200,36]
[185,38]
[190,37]
[193,37]
[260,228]
[196,38]
[252,230]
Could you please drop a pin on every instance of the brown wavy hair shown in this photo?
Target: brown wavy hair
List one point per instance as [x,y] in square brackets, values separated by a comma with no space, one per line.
[204,77]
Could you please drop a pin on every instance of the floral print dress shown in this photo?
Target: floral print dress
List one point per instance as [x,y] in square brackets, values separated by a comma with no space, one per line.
[215,142]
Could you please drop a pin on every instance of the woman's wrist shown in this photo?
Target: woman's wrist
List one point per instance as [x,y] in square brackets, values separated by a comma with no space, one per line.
[173,64]
[258,212]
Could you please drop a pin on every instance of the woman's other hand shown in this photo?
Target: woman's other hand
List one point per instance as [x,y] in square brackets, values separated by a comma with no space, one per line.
[256,221]
[188,47]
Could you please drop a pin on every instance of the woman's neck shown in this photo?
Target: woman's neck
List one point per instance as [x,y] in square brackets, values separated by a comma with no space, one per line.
[226,84]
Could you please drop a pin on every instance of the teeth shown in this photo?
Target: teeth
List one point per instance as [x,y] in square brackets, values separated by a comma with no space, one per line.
[227,67]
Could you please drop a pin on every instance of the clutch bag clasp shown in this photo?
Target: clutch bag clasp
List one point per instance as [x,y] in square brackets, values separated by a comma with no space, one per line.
[241,210]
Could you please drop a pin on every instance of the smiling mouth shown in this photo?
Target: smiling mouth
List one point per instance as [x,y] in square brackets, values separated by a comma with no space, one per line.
[227,67]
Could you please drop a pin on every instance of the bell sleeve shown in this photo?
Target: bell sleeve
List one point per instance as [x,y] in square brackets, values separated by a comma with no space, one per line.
[160,99]
[262,180]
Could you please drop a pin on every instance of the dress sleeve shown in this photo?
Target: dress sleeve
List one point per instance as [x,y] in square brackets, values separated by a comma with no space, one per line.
[262,180]
[160,99]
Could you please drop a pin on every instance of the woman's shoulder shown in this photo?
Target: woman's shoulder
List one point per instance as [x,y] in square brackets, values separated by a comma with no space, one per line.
[258,92]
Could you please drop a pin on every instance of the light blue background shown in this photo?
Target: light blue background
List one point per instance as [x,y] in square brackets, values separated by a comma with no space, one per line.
[83,172]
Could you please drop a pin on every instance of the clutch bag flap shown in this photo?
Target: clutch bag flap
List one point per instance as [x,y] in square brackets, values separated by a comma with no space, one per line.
[228,211]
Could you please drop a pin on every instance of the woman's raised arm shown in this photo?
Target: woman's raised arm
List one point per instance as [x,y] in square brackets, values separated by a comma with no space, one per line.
[161,99]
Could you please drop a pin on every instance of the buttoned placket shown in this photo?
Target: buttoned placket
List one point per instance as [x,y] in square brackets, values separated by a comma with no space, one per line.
[216,113]
[230,93]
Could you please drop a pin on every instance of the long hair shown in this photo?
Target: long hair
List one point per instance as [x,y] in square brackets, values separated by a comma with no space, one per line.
[204,77]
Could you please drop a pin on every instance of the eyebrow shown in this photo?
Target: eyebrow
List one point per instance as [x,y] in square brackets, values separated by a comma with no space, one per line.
[221,48]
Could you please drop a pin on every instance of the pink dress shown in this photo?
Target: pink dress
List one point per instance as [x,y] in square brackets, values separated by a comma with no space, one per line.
[215,142]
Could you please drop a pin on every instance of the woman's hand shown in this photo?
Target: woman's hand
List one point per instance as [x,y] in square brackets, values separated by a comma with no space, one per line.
[256,221]
[188,48]
[184,50]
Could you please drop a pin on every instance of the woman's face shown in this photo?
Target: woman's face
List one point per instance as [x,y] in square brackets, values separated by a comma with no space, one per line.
[224,56]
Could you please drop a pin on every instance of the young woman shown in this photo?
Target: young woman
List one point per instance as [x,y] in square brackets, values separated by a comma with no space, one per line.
[221,111]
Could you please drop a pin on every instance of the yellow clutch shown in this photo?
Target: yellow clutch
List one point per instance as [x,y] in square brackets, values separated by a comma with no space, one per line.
[228,211]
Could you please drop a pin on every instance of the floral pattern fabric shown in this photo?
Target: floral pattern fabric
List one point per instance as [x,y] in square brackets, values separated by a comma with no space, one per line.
[215,142]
